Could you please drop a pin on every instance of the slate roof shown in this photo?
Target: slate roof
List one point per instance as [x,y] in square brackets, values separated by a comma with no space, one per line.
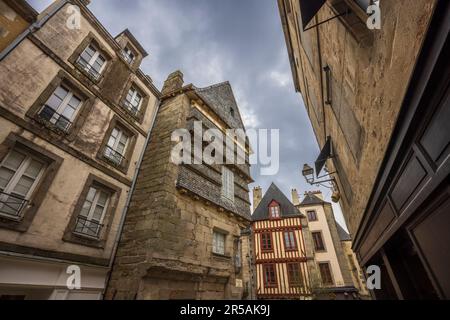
[343,235]
[274,193]
[221,99]
[311,199]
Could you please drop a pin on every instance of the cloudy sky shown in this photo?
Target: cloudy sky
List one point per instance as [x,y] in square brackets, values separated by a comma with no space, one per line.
[212,41]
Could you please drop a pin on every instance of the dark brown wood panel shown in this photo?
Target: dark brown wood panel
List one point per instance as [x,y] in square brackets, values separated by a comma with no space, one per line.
[436,139]
[384,219]
[410,179]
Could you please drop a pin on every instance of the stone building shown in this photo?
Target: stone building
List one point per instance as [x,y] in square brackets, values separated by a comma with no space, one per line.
[283,251]
[359,280]
[15,17]
[75,113]
[186,232]
[335,280]
[380,97]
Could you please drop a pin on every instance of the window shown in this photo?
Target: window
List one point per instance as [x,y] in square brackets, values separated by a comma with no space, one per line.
[60,109]
[266,241]
[270,276]
[219,243]
[116,146]
[325,274]
[294,275]
[92,61]
[318,241]
[133,101]
[90,219]
[19,175]
[274,210]
[290,242]
[312,215]
[227,183]
[128,55]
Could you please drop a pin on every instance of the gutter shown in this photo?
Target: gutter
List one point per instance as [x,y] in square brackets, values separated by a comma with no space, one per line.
[33,28]
[128,201]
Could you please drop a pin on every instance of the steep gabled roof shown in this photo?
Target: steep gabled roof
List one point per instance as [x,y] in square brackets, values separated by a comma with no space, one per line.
[274,193]
[221,99]
[343,235]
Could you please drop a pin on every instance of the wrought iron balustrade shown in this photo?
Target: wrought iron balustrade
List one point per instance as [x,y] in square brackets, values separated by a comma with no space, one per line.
[12,206]
[54,120]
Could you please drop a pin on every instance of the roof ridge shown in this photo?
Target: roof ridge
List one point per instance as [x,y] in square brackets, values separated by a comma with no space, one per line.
[215,85]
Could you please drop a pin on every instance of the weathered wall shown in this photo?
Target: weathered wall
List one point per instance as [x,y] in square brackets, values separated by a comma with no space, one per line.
[355,269]
[24,75]
[166,246]
[369,80]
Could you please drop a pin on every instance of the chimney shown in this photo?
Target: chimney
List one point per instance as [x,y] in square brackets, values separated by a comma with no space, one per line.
[318,194]
[295,197]
[173,83]
[257,197]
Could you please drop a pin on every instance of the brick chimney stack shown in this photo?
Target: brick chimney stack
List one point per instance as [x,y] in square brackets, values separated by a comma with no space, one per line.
[257,197]
[295,197]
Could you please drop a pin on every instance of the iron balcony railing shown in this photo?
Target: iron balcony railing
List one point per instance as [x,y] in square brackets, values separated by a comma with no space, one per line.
[88,68]
[131,108]
[54,120]
[87,227]
[114,156]
[12,206]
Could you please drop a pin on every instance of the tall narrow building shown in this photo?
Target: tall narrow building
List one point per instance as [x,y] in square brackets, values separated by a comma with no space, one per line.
[185,235]
[334,277]
[282,250]
[75,114]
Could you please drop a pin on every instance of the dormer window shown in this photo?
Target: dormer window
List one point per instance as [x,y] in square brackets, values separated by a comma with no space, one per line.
[92,61]
[274,210]
[128,55]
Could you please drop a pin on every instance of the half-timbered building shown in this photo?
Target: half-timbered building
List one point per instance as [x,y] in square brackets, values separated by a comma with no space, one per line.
[280,250]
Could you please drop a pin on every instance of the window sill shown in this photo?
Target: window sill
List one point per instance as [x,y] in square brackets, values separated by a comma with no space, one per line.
[84,240]
[221,256]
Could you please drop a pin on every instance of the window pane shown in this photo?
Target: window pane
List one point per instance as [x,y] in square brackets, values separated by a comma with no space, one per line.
[23,186]
[88,53]
[14,160]
[103,198]
[5,177]
[34,169]
[98,213]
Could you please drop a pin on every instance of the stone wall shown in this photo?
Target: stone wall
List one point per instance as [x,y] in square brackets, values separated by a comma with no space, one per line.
[369,77]
[166,246]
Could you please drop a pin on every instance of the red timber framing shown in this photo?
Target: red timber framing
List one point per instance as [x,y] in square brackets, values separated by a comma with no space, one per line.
[285,252]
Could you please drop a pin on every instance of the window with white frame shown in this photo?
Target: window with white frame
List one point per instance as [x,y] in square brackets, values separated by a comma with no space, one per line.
[128,55]
[133,100]
[61,108]
[95,206]
[20,173]
[219,243]
[227,183]
[92,61]
[117,146]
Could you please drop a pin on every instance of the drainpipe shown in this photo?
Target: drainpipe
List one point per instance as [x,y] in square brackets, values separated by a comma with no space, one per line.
[33,28]
[128,201]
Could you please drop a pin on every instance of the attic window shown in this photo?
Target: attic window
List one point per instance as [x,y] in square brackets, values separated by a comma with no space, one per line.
[274,210]
[232,112]
[128,55]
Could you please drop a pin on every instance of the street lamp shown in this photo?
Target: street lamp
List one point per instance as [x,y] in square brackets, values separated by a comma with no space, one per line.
[308,173]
